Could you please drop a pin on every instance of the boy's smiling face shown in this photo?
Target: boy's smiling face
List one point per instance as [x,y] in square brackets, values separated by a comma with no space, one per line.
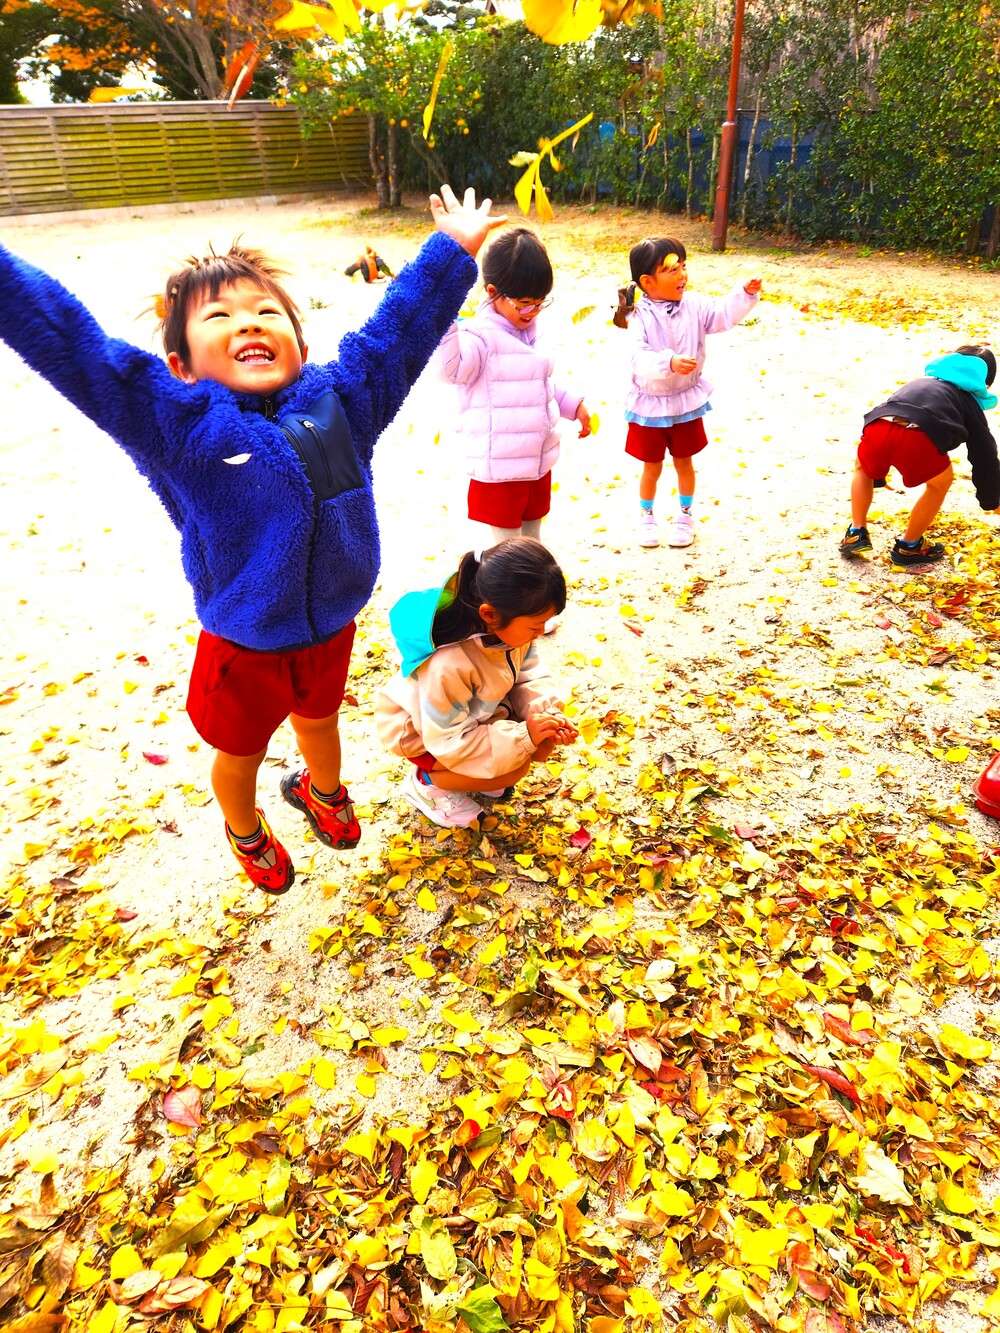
[243,339]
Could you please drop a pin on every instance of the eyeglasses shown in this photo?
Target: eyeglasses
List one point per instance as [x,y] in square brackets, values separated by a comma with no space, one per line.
[529,307]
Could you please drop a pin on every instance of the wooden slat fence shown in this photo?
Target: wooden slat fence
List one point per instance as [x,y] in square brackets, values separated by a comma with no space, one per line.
[56,158]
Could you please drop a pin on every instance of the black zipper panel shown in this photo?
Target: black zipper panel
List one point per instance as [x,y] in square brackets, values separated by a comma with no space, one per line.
[322,439]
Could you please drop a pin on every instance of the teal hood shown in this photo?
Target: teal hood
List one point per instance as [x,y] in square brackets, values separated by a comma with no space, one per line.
[965,372]
[412,619]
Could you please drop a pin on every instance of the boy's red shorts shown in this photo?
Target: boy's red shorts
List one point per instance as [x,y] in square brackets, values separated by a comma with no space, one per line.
[651,444]
[886,444]
[508,504]
[239,698]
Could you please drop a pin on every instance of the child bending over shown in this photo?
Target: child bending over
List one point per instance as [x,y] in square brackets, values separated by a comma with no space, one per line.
[669,395]
[263,462]
[913,431]
[509,406]
[473,707]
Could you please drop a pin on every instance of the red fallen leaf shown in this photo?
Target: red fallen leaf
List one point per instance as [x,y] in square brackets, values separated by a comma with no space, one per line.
[804,308]
[668,1073]
[843,925]
[350,700]
[182,1106]
[581,838]
[151,757]
[934,620]
[636,629]
[824,1321]
[175,1294]
[561,1102]
[466,1132]
[143,661]
[835,1081]
[882,623]
[746,832]
[844,1031]
[125,914]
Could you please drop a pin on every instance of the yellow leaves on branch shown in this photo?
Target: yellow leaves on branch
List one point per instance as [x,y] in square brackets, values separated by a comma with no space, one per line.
[562,21]
[531,182]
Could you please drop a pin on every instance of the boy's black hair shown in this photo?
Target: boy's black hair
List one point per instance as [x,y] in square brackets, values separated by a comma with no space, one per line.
[518,577]
[646,257]
[202,279]
[984,354]
[517,265]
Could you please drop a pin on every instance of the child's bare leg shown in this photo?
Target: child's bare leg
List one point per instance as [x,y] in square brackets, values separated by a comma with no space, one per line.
[648,480]
[532,527]
[234,781]
[445,780]
[319,741]
[925,511]
[684,467]
[862,490]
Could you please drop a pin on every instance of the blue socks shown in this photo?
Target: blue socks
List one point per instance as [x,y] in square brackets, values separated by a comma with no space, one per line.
[686,502]
[646,504]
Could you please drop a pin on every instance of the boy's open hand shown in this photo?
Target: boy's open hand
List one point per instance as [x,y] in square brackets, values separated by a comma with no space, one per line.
[464,222]
[753,286]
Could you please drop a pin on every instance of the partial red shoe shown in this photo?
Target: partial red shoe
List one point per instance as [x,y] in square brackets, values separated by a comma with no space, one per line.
[270,867]
[335,824]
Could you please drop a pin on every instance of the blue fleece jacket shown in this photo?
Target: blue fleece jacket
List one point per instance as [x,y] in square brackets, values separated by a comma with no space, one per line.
[272,566]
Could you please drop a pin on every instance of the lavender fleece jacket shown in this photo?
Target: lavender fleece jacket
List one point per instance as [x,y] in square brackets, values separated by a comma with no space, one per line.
[272,566]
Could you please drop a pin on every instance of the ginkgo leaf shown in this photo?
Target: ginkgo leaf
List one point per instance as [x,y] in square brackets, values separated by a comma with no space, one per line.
[881,1177]
[562,21]
[446,54]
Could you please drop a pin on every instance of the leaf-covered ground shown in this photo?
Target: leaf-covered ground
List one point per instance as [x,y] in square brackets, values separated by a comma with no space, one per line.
[698,1031]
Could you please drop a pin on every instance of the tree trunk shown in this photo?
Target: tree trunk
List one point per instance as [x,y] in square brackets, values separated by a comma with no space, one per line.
[713,170]
[377,161]
[689,189]
[793,161]
[993,244]
[749,162]
[395,193]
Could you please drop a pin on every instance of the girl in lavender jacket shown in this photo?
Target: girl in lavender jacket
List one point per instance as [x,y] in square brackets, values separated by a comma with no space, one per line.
[509,406]
[669,396]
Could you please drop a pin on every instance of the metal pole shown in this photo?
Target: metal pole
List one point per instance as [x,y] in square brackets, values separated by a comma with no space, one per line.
[728,145]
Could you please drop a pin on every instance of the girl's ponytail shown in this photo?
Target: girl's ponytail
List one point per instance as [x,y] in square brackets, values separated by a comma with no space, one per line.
[626,304]
[518,577]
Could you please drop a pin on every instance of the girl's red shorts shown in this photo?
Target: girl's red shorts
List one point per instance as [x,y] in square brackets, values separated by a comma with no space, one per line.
[239,698]
[886,444]
[508,504]
[651,444]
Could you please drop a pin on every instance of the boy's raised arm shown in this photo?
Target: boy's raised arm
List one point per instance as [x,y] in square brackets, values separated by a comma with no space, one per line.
[377,366]
[109,380]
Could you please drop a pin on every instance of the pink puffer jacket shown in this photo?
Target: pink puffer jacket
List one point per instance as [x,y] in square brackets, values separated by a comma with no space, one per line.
[508,406]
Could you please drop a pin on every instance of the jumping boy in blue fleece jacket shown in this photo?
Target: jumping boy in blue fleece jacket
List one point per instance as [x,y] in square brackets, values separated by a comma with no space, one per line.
[913,431]
[263,462]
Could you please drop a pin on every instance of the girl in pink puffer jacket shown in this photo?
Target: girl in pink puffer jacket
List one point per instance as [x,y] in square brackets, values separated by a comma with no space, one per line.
[509,406]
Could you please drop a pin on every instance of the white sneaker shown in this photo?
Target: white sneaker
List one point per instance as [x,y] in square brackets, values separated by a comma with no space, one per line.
[646,529]
[681,531]
[447,809]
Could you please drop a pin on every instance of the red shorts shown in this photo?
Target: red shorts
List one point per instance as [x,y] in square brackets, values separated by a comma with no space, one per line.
[424,762]
[238,698]
[508,504]
[885,444]
[652,443]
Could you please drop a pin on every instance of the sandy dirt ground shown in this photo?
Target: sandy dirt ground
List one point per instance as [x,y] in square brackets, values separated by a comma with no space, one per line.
[98,629]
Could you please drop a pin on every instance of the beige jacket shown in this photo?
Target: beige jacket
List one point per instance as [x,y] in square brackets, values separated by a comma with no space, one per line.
[466,705]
